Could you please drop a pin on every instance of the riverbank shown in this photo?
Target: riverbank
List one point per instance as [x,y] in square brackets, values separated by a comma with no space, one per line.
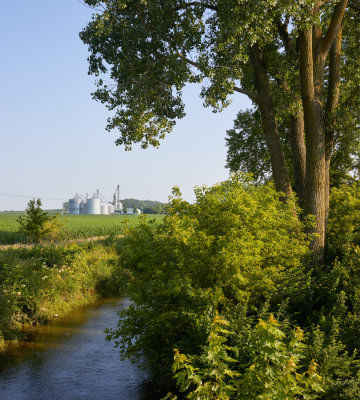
[69,358]
[42,283]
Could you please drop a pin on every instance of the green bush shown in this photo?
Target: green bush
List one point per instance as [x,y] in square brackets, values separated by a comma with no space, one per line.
[238,249]
[343,229]
[275,369]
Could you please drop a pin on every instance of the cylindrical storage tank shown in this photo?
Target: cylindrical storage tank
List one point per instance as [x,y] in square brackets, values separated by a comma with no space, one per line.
[111,208]
[74,205]
[93,205]
[82,207]
[104,208]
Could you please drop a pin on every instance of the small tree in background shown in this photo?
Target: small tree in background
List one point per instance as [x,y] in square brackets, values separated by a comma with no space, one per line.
[37,224]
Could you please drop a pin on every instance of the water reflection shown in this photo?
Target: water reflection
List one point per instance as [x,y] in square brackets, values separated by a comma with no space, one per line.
[70,359]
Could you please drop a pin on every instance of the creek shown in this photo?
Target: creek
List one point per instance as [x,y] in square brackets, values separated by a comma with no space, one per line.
[70,359]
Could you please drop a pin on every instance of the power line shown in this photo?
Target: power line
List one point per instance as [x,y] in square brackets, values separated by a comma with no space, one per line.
[31,197]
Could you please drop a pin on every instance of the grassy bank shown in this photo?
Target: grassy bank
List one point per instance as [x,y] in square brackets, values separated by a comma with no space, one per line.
[45,282]
[74,226]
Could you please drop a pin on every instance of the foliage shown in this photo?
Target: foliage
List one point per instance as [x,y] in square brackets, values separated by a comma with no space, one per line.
[151,49]
[37,224]
[39,282]
[153,210]
[238,247]
[334,317]
[339,368]
[344,219]
[146,206]
[272,373]
[144,48]
[284,55]
[247,147]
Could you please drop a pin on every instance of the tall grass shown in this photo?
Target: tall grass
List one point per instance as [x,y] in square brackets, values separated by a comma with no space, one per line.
[40,283]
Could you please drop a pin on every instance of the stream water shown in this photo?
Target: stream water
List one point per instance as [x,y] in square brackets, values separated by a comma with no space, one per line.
[70,359]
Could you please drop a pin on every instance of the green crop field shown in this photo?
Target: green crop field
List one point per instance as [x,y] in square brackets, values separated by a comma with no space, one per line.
[75,226]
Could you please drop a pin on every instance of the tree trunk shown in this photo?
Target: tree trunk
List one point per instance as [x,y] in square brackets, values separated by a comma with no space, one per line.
[313,52]
[332,102]
[266,106]
[315,139]
[298,155]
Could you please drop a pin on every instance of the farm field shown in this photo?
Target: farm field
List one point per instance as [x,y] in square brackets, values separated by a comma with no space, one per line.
[75,226]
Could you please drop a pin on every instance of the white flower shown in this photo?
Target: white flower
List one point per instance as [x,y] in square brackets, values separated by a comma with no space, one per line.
[44,277]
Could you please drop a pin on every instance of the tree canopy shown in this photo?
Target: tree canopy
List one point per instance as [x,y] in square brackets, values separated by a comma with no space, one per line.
[286,56]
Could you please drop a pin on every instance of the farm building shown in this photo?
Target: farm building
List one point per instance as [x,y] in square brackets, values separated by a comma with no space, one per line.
[96,205]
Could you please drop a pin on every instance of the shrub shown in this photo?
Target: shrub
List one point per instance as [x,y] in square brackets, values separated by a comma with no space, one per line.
[275,369]
[343,229]
[237,249]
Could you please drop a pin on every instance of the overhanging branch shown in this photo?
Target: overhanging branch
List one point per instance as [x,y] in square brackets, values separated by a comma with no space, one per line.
[248,93]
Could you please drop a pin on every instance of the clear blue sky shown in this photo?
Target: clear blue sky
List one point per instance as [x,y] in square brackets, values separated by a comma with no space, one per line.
[53,138]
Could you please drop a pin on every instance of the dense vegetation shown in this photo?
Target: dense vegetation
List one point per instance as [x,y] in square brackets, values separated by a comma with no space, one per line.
[240,251]
[145,206]
[44,282]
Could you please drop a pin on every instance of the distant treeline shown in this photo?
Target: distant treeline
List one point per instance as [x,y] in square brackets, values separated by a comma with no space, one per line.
[146,206]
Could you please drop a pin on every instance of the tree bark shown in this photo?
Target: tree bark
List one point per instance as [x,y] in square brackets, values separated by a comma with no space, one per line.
[313,52]
[315,141]
[298,155]
[266,106]
[331,104]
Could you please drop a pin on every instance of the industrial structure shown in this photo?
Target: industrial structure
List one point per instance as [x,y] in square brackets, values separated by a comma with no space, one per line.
[95,204]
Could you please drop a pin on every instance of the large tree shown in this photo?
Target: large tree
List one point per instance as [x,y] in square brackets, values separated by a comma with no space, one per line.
[278,52]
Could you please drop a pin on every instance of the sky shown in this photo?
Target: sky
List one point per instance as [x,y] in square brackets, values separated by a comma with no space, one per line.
[53,138]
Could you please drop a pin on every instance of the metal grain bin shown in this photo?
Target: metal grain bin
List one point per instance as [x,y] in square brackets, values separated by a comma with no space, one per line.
[74,204]
[104,208]
[82,207]
[93,205]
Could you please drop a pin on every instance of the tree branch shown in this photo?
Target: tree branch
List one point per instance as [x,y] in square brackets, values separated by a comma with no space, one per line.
[251,95]
[191,62]
[334,27]
[248,93]
[333,95]
[285,37]
[334,76]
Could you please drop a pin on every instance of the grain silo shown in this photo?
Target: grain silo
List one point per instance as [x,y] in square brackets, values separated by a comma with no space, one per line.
[75,204]
[104,208]
[82,207]
[93,205]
